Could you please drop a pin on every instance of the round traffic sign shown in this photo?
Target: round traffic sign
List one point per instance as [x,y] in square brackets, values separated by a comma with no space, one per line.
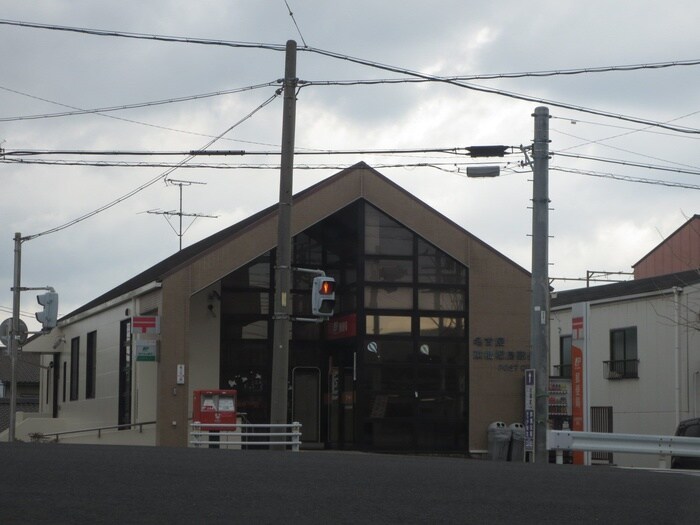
[5,331]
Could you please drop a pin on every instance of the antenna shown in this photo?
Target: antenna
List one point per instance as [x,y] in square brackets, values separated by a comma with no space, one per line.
[167,214]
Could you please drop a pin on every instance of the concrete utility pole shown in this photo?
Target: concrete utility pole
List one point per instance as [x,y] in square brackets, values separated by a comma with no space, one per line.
[539,320]
[13,340]
[283,270]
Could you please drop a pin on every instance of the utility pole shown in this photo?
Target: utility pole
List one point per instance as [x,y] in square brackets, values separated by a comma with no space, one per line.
[13,340]
[180,213]
[283,270]
[539,320]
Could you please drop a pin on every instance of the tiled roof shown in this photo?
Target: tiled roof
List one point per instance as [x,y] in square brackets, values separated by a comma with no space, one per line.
[627,288]
[26,368]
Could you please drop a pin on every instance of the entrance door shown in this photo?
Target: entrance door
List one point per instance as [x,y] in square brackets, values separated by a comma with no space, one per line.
[341,407]
[306,402]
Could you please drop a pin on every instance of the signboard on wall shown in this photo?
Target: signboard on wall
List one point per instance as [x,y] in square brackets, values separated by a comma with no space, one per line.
[342,327]
[145,324]
[146,350]
[530,410]
[578,348]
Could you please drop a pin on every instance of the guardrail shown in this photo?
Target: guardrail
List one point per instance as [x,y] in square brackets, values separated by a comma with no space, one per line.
[663,446]
[246,435]
[40,436]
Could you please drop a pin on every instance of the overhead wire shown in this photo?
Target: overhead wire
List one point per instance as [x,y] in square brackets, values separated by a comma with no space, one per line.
[78,111]
[626,178]
[393,69]
[627,163]
[153,180]
[295,22]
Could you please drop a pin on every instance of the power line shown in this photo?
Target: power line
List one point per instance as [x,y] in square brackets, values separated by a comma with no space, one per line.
[145,36]
[500,92]
[393,69]
[628,163]
[647,129]
[626,178]
[295,23]
[78,111]
[108,164]
[152,181]
[455,150]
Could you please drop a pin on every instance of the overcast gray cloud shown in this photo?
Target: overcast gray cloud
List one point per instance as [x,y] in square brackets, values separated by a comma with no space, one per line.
[597,223]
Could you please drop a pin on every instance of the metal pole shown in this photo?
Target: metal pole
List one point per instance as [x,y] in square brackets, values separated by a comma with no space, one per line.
[677,352]
[283,271]
[13,340]
[539,320]
[180,231]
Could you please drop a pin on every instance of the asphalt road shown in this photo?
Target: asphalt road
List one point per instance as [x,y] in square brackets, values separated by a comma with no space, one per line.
[50,483]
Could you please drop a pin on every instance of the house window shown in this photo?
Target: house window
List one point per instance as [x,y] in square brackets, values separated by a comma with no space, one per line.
[74,367]
[623,354]
[564,356]
[90,365]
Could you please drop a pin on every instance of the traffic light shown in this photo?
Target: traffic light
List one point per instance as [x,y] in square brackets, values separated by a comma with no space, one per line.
[49,315]
[323,296]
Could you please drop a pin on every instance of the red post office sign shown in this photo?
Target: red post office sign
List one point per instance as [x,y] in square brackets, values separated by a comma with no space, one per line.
[145,324]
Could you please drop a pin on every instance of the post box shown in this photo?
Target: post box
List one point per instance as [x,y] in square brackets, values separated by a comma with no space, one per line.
[213,408]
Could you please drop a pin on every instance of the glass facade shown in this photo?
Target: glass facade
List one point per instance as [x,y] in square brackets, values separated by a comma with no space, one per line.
[389,369]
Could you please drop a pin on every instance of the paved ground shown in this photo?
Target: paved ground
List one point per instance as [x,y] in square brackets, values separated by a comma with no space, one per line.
[49,483]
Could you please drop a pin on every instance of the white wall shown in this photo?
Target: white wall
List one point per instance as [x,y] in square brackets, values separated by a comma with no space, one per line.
[646,405]
[103,409]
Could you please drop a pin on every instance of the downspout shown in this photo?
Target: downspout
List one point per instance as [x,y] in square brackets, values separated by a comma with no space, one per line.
[677,352]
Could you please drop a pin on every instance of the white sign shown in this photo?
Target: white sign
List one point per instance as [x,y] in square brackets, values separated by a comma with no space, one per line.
[530,410]
[180,374]
[146,350]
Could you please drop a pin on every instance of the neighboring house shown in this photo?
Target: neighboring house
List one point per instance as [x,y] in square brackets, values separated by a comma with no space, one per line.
[427,346]
[27,379]
[641,365]
[679,252]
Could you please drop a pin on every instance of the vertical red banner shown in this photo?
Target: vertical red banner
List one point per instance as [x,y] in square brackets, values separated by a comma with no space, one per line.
[577,382]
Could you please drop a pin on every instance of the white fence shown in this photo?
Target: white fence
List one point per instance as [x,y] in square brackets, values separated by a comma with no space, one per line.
[662,446]
[246,435]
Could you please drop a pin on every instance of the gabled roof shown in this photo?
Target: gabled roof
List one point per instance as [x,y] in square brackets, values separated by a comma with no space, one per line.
[661,244]
[627,288]
[189,254]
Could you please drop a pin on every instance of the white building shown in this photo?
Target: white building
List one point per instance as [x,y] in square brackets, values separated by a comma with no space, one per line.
[641,366]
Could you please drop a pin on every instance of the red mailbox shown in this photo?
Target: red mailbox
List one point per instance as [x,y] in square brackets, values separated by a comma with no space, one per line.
[213,408]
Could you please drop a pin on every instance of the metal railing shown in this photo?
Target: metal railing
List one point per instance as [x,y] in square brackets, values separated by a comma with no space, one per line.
[245,435]
[621,369]
[663,446]
[54,436]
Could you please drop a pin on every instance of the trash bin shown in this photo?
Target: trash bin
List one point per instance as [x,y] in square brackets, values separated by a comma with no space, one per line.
[517,442]
[499,441]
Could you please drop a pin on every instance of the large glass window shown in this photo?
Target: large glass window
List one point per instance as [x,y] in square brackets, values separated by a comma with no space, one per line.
[388,325]
[393,298]
[384,236]
[413,391]
[389,270]
[435,266]
[451,299]
[442,327]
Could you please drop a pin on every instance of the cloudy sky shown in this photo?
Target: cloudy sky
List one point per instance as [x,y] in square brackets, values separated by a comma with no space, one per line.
[597,221]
